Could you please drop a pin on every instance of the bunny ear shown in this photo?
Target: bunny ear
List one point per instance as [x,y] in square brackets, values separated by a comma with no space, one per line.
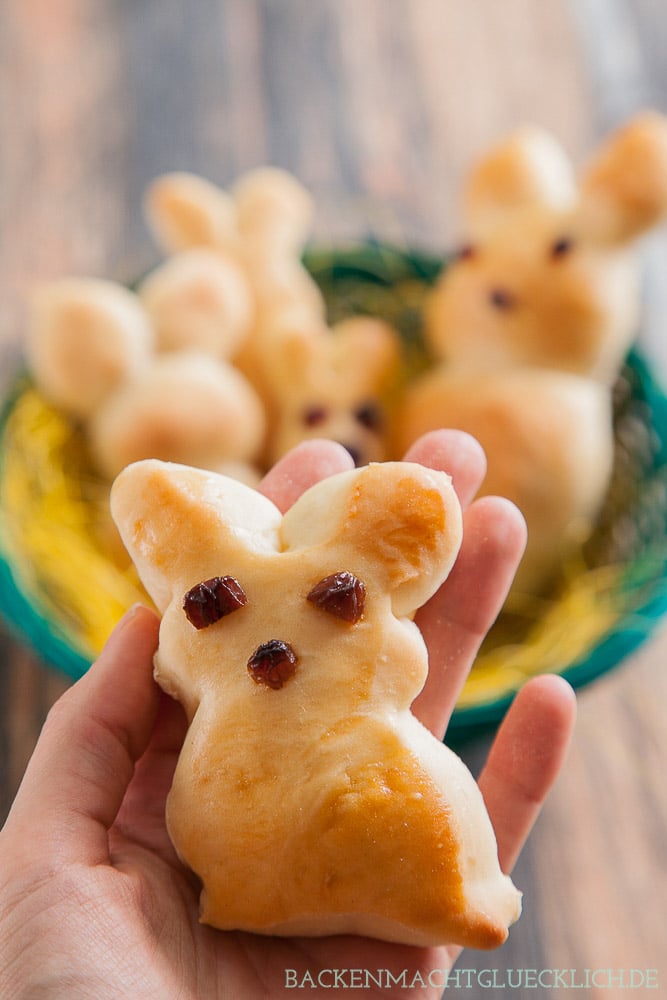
[184,210]
[366,351]
[293,352]
[527,168]
[400,523]
[272,204]
[624,189]
[169,515]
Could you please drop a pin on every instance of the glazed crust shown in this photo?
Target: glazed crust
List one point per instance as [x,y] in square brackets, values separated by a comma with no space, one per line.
[321,806]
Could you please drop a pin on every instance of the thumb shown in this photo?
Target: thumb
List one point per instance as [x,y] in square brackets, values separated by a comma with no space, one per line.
[85,756]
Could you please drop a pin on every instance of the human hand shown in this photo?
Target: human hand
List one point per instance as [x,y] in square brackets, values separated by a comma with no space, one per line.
[93,900]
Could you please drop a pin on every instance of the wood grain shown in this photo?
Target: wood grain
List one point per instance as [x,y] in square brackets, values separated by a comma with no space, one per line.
[378,107]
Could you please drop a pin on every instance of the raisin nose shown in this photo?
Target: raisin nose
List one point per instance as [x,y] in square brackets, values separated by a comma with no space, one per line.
[272,663]
[502,299]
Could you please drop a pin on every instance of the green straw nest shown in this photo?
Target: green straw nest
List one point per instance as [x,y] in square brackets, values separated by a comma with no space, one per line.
[65,581]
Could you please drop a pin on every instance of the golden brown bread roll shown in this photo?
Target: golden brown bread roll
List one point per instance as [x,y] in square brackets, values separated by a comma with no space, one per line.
[307,797]
[530,325]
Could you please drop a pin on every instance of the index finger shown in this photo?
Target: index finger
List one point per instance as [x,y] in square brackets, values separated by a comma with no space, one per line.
[301,468]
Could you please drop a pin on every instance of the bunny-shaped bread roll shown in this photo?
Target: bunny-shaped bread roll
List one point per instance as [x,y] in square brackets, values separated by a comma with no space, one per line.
[307,797]
[94,349]
[532,322]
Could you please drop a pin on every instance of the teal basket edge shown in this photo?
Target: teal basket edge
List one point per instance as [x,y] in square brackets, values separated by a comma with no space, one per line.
[381,264]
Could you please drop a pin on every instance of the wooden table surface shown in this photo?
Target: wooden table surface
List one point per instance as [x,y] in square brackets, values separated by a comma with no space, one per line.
[378,106]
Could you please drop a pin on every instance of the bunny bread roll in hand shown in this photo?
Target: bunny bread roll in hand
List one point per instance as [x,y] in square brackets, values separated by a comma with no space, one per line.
[307,797]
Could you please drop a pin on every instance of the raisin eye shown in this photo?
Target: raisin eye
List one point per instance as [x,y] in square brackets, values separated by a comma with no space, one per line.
[340,594]
[466,252]
[369,416]
[211,600]
[272,663]
[314,415]
[561,247]
[501,299]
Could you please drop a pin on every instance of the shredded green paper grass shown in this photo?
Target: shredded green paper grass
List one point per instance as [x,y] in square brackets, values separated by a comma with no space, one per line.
[65,581]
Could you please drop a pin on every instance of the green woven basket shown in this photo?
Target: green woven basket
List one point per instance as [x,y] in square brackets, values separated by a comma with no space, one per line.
[610,602]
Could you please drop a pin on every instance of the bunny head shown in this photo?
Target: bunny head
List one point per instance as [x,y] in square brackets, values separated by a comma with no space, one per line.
[85,337]
[548,276]
[307,797]
[199,300]
[332,383]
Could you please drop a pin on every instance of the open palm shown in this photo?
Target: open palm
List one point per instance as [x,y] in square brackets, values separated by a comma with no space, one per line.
[94,901]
